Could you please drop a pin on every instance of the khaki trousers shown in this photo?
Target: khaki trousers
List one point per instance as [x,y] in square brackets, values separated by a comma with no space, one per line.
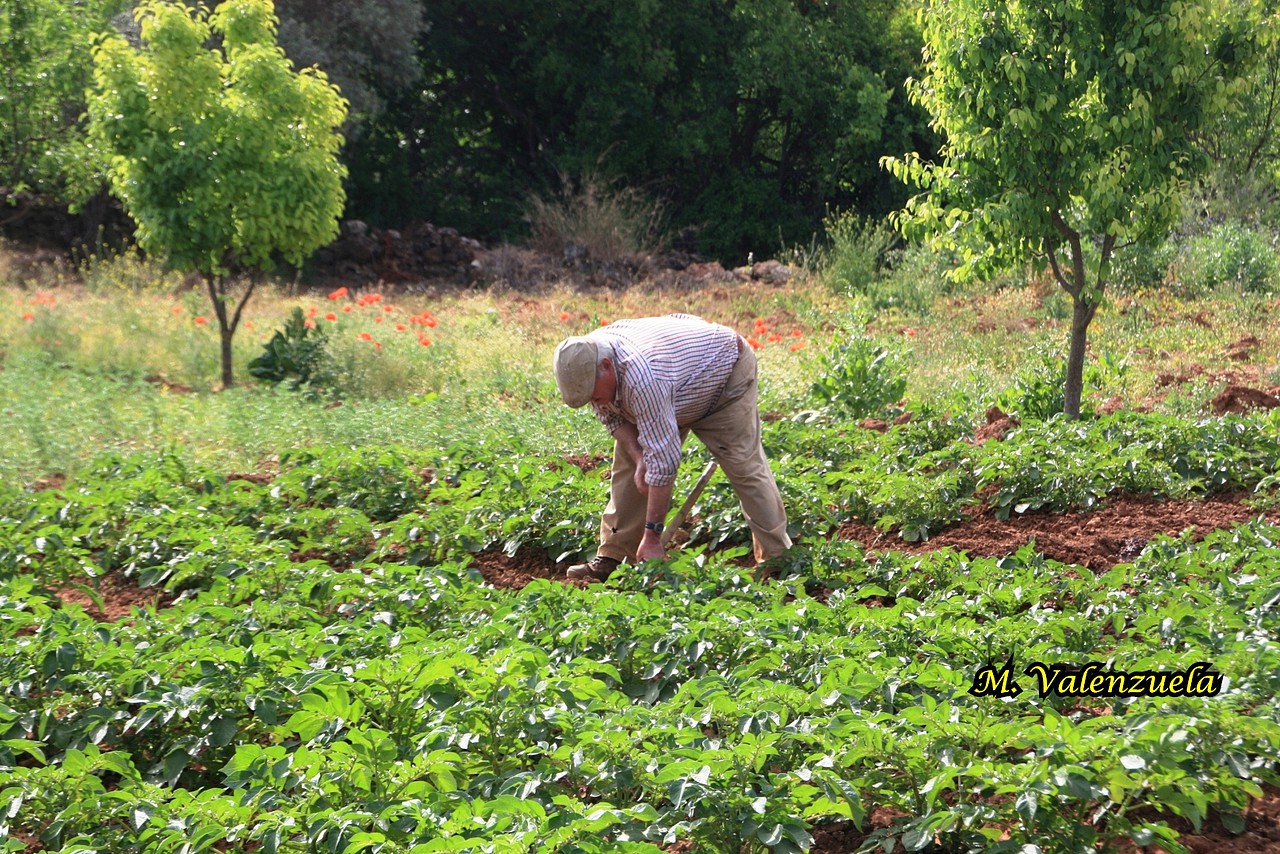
[731,432]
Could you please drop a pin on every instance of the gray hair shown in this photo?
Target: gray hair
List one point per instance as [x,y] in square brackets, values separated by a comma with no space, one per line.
[604,350]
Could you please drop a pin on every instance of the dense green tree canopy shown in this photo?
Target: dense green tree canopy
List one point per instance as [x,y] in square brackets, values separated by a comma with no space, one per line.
[366,47]
[1068,130]
[748,118]
[1243,142]
[44,54]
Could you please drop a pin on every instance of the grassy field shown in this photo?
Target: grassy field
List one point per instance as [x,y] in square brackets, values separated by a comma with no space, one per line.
[123,358]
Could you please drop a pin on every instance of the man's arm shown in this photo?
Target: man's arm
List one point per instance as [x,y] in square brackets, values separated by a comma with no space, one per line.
[656,508]
[658,498]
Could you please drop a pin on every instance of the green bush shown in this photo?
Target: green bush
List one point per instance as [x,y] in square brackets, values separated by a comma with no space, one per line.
[858,249]
[298,354]
[1141,265]
[1231,254]
[859,379]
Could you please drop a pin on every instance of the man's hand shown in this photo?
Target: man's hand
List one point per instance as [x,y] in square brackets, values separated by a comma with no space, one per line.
[651,548]
[641,470]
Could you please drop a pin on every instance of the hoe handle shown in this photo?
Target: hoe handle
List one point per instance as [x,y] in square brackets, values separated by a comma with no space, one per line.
[677,520]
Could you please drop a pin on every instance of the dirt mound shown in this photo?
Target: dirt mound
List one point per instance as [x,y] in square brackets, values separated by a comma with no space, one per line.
[997,427]
[1240,399]
[1098,540]
[119,596]
[513,572]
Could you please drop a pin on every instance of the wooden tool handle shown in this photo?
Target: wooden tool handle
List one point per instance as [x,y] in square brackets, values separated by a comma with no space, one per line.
[677,520]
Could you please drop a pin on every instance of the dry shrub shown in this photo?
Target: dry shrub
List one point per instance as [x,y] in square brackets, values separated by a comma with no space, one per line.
[593,221]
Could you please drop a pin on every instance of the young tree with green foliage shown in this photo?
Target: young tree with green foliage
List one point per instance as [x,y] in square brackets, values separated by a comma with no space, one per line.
[44,54]
[1244,142]
[225,156]
[1068,129]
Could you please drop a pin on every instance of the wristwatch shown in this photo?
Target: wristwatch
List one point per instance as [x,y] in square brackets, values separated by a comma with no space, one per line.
[656,527]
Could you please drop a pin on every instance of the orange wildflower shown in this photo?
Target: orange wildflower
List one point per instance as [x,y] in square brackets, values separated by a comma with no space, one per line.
[424,341]
[331,316]
[400,327]
[796,333]
[346,309]
[564,315]
[177,309]
[28,317]
[774,337]
[309,323]
[201,320]
[796,347]
[430,322]
[378,319]
[365,336]
[338,294]
[313,311]
[755,345]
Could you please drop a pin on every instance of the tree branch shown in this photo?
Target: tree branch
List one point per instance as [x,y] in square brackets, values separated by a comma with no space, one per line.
[253,283]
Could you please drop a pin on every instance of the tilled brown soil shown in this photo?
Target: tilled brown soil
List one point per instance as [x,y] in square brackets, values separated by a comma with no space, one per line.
[1098,540]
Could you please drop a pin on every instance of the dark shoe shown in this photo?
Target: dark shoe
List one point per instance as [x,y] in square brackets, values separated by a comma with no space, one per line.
[599,568]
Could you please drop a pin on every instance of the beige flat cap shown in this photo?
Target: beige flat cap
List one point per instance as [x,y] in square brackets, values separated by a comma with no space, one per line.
[575,367]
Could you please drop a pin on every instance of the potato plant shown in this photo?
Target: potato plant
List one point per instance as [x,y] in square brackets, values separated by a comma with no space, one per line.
[330,672]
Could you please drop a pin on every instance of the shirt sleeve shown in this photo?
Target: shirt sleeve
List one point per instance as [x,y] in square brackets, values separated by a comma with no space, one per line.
[653,404]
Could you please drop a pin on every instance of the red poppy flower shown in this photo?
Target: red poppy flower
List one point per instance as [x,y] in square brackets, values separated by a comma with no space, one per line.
[338,294]
[365,336]
[755,345]
[309,323]
[346,309]
[796,347]
[28,317]
[564,315]
[424,341]
[400,327]
[313,311]
[331,316]
[201,320]
[774,337]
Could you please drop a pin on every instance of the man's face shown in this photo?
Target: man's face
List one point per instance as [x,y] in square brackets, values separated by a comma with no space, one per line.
[606,384]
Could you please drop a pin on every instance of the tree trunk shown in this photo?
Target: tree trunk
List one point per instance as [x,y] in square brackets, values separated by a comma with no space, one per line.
[228,380]
[1081,314]
[219,293]
[1084,304]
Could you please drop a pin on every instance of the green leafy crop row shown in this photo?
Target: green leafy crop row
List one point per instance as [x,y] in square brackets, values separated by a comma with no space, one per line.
[330,674]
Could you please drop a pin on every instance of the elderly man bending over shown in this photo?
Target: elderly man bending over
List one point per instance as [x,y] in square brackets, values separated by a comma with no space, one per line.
[651,381]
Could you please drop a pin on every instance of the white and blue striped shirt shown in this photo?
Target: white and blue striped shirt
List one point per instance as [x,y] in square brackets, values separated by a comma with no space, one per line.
[671,371]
